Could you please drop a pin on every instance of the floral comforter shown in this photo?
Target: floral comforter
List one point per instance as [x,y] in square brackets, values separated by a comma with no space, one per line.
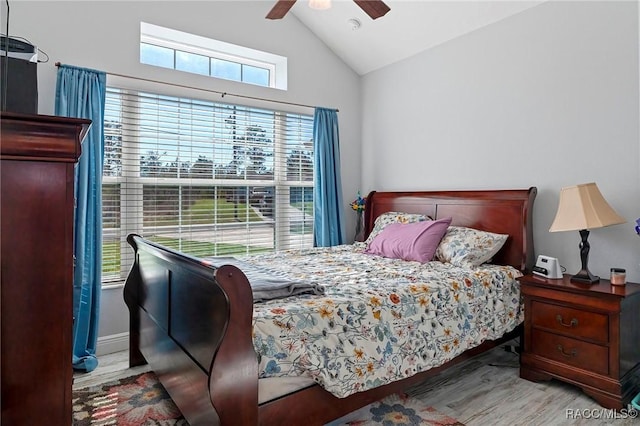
[381,319]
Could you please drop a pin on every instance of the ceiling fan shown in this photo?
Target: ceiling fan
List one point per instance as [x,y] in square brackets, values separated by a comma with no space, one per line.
[374,8]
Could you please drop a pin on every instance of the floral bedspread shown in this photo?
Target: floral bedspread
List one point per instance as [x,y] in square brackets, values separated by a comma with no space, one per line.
[381,319]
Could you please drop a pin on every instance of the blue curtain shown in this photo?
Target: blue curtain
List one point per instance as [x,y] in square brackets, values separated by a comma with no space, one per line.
[328,208]
[80,93]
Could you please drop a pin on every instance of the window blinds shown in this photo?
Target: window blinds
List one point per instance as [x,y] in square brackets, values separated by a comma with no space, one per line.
[205,178]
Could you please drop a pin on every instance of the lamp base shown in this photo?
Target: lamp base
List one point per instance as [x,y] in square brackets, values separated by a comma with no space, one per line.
[584,276]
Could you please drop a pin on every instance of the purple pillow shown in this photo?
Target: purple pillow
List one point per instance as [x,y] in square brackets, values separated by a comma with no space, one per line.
[410,241]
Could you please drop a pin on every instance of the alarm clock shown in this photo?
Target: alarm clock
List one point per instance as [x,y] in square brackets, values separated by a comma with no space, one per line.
[547,267]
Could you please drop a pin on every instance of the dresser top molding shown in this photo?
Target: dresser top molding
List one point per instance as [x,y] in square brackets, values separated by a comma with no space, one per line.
[41,137]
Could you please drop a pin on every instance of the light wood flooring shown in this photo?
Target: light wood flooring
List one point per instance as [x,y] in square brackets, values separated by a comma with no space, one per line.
[485,390]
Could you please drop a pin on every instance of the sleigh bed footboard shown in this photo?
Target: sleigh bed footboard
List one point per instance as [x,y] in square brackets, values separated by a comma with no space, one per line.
[192,323]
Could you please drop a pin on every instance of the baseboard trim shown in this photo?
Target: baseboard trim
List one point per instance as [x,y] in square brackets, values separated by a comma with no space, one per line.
[112,343]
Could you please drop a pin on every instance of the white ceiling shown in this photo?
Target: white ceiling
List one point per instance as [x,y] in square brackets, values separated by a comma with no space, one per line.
[408,28]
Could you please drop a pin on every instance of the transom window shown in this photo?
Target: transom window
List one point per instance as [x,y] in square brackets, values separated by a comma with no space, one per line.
[167,48]
[205,178]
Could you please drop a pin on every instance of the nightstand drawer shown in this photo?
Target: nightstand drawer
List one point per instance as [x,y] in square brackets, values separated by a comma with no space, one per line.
[577,353]
[574,322]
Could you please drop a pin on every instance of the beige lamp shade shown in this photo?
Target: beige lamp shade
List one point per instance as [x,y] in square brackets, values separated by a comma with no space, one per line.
[583,207]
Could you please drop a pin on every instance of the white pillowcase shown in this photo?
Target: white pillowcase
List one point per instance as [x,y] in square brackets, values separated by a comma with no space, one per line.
[468,247]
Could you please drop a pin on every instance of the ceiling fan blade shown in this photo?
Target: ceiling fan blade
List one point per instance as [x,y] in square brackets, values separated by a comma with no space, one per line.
[374,8]
[280,9]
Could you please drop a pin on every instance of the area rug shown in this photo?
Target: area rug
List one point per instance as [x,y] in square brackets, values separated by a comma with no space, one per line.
[142,401]
[133,401]
[396,410]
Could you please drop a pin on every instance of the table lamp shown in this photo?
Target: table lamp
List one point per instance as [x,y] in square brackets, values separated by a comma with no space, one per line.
[582,207]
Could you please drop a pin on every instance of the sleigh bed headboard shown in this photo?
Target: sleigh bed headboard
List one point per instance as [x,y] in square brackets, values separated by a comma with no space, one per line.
[499,211]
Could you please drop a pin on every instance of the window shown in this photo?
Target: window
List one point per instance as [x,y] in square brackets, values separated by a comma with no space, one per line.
[205,178]
[167,48]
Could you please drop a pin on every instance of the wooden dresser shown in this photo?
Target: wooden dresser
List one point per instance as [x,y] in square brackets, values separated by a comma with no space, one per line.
[37,156]
[588,336]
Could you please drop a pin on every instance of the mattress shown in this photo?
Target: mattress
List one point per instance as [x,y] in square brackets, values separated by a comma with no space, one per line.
[380,320]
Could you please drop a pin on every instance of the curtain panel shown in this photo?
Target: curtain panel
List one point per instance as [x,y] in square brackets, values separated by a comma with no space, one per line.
[80,93]
[329,228]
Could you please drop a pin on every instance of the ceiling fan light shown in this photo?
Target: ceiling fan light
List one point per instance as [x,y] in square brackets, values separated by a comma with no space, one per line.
[320,4]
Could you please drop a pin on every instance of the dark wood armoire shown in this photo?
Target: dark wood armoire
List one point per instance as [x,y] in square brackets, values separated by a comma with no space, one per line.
[37,157]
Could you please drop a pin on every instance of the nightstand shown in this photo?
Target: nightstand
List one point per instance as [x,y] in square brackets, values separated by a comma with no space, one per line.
[588,336]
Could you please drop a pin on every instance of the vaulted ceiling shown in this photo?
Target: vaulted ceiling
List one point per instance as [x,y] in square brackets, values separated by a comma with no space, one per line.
[410,27]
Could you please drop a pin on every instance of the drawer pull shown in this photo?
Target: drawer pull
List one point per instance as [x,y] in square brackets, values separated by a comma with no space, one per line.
[573,323]
[571,354]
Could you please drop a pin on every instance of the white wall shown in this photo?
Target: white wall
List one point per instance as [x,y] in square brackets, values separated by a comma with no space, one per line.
[546,98]
[106,35]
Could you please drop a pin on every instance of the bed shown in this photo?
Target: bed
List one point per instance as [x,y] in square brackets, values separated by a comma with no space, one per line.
[194,322]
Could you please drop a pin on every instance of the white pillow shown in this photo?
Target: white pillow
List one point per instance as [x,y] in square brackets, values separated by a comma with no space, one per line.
[468,247]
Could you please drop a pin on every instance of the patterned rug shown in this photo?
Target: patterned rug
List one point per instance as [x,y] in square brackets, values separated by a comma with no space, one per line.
[396,410]
[134,401]
[142,401]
